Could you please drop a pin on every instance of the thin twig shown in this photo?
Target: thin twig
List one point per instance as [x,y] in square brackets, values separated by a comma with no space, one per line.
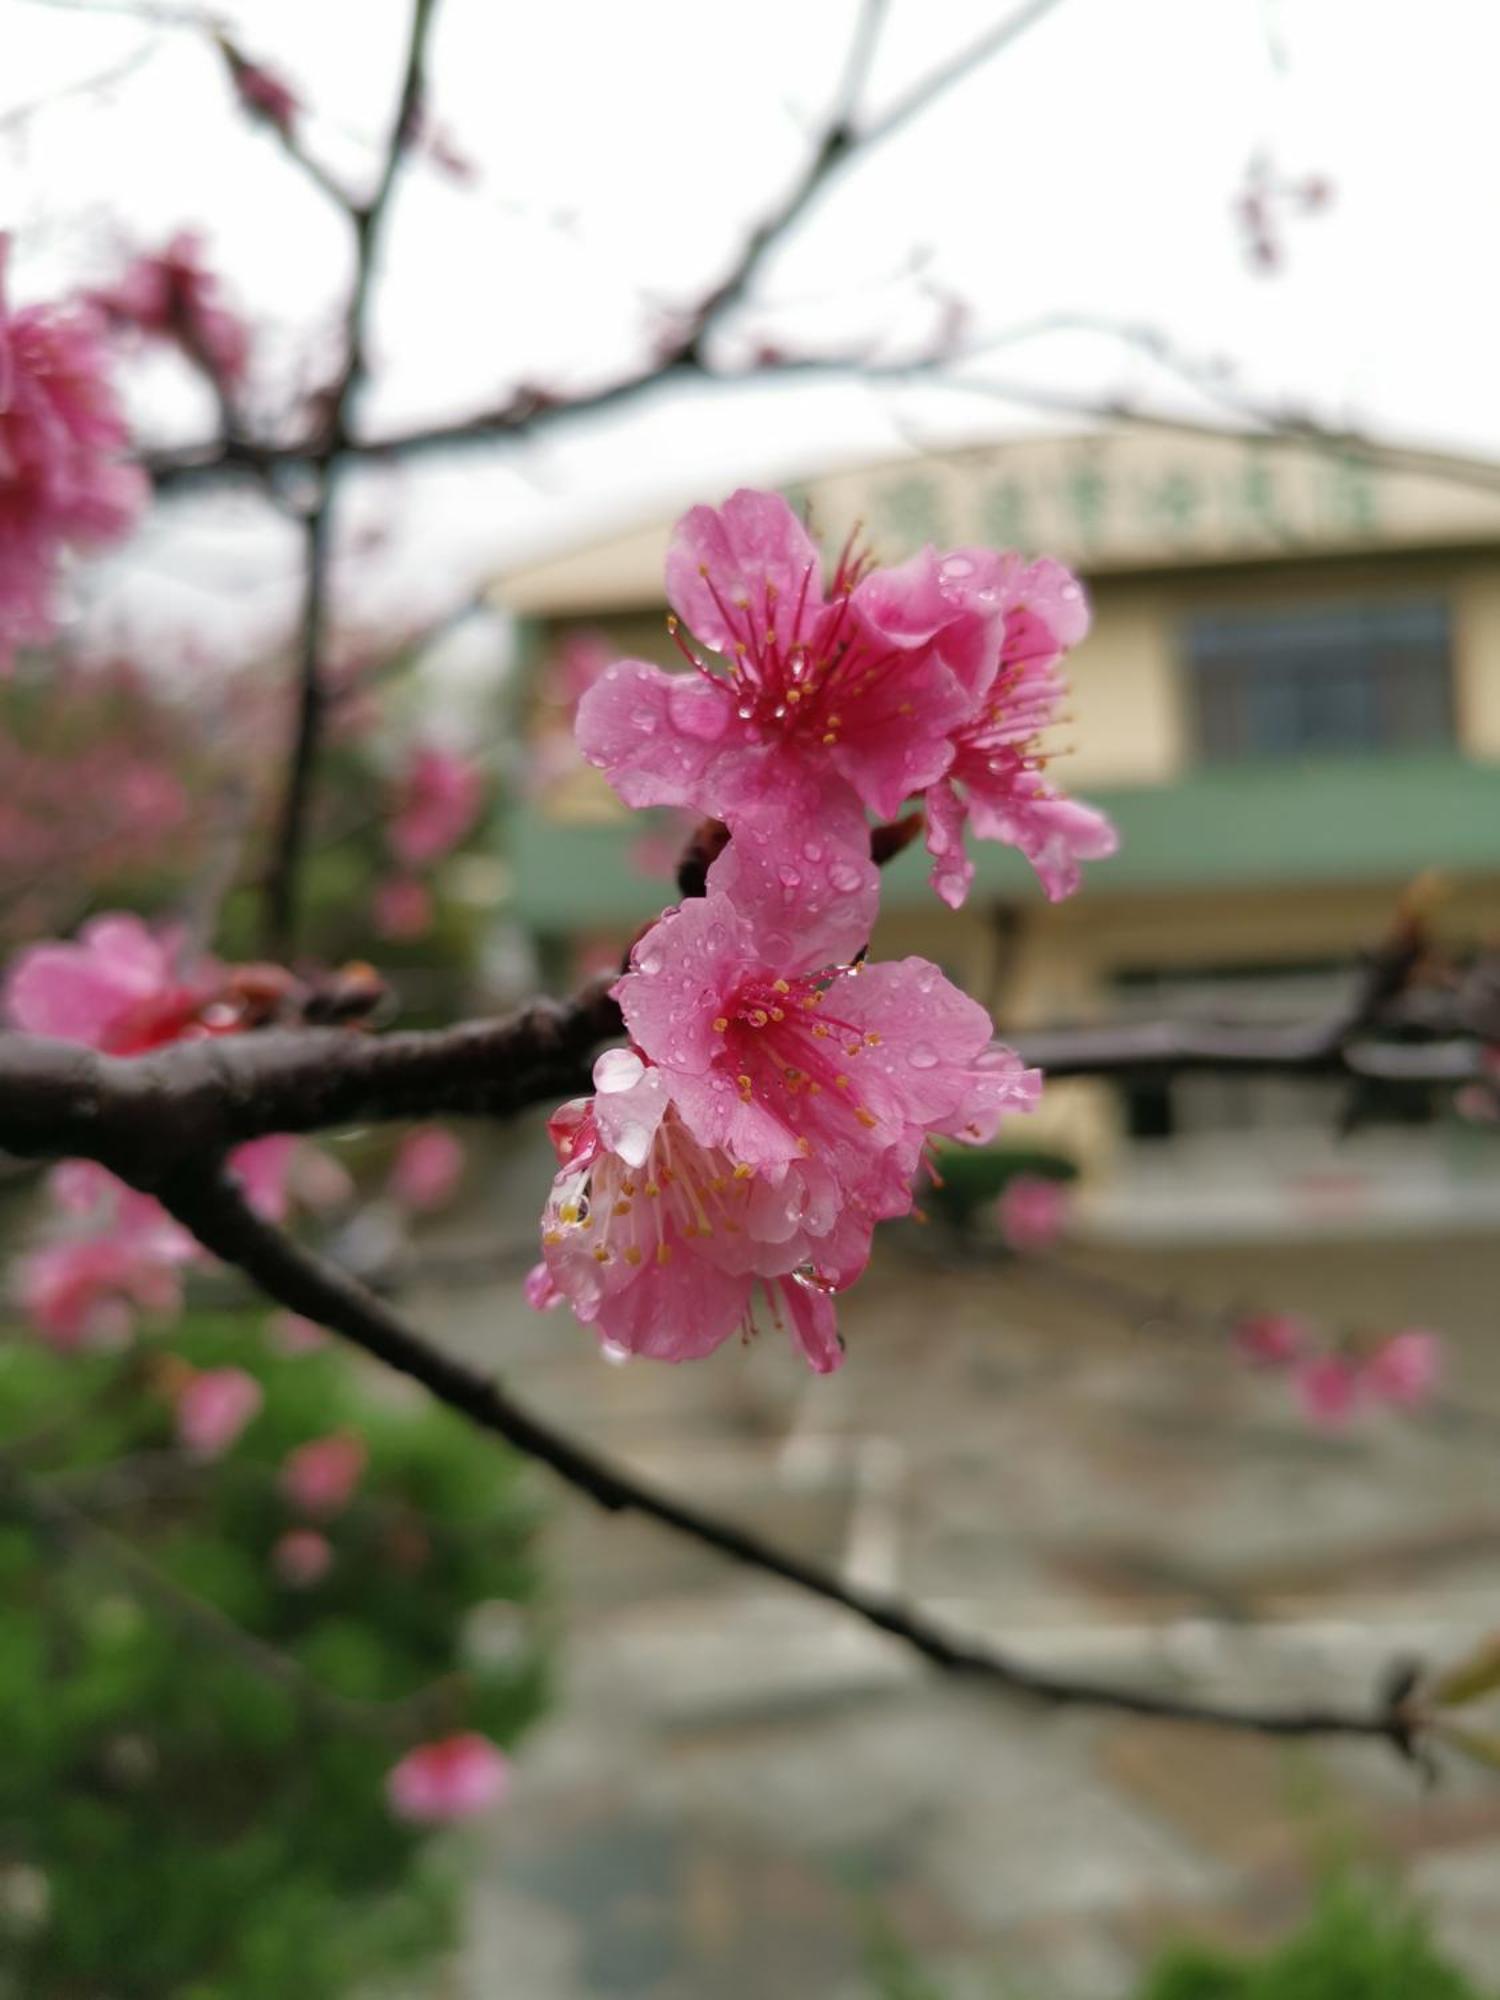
[368,218]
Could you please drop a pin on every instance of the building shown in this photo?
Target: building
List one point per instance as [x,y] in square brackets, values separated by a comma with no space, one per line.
[1290,703]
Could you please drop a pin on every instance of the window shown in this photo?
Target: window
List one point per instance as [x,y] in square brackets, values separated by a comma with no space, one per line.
[1321,680]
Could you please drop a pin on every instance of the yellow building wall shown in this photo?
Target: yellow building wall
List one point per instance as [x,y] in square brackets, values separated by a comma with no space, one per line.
[1126,723]
[1476,661]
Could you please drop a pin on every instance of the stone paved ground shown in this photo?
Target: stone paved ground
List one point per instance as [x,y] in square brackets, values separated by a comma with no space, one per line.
[737,1783]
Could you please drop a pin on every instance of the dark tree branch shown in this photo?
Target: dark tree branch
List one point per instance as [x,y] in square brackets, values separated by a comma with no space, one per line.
[59,1100]
[283,878]
[368,218]
[208,1204]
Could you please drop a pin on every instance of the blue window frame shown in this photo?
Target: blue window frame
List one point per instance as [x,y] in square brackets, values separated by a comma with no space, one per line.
[1321,680]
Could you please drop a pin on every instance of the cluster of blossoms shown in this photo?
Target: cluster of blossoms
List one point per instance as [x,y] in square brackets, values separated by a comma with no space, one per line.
[1334,1385]
[779,1093]
[125,989]
[63,485]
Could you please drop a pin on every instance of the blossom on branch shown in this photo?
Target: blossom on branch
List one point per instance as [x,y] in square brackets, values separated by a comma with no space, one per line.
[773,1108]
[818,704]
[62,484]
[172,295]
[120,987]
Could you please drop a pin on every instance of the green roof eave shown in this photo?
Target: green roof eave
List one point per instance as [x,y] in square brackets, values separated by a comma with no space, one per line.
[1354,819]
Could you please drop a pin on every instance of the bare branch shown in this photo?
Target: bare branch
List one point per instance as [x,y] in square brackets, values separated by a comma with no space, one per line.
[208,1204]
[979,51]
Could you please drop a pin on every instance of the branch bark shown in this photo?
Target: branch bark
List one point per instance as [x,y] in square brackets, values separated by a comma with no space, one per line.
[209,1205]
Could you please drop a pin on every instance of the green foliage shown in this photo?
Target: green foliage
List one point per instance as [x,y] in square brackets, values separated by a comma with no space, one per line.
[1357,1946]
[182,1825]
[974,1176]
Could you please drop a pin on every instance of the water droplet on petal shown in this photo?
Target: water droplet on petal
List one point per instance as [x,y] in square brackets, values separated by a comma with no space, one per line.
[922,1055]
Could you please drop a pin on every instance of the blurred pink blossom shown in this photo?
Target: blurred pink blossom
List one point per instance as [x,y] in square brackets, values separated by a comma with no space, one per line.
[428,1167]
[262,1167]
[403,908]
[1033,1211]
[1330,1388]
[121,1254]
[62,483]
[120,987]
[456,1778]
[1271,1340]
[292,1334]
[437,800]
[213,1406]
[302,1557]
[172,295]
[319,1477]
[1405,1369]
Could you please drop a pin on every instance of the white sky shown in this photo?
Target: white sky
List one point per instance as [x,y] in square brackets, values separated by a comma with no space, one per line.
[1087,172]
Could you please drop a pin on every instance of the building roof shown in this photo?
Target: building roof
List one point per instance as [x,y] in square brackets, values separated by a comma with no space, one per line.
[1117,501]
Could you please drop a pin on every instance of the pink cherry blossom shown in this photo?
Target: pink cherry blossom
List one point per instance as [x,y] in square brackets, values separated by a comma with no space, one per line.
[1271,1340]
[933,678]
[319,1477]
[213,1406]
[773,1110]
[403,908]
[1330,1388]
[777,1055]
[62,485]
[120,987]
[437,801]
[995,784]
[302,1557]
[172,295]
[1406,1369]
[456,1778]
[661,1245]
[1033,1211]
[119,1254]
[427,1169]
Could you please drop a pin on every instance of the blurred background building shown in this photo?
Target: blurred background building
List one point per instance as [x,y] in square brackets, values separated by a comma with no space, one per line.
[1285,705]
